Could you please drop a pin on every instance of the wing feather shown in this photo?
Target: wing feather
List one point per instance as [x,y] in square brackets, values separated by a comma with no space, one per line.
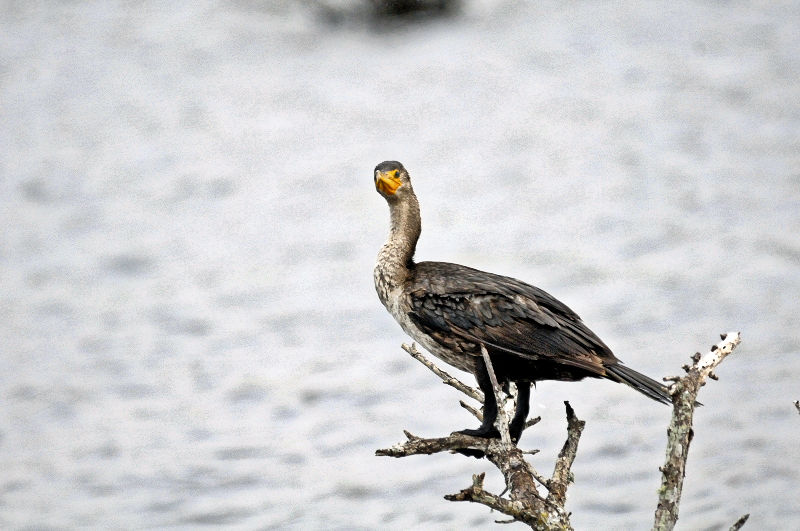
[455,303]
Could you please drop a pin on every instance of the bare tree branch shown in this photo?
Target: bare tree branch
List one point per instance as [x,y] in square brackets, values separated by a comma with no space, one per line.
[524,502]
[475,493]
[502,418]
[455,441]
[739,523]
[562,476]
[478,414]
[532,422]
[471,392]
[679,434]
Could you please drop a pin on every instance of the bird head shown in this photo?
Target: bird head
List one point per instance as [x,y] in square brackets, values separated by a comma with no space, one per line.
[391,179]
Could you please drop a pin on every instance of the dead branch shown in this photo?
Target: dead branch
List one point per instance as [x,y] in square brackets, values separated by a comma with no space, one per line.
[502,418]
[562,476]
[471,392]
[476,494]
[679,434]
[524,503]
[739,523]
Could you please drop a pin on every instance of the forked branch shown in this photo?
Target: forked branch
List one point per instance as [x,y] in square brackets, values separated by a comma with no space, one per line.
[524,502]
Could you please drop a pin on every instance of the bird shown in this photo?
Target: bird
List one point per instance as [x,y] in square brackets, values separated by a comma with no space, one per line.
[454,311]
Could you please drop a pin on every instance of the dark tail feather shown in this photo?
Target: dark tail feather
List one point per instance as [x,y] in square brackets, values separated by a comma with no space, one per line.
[644,384]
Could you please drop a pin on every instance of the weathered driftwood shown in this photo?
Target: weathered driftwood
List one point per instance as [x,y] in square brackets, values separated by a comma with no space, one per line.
[679,434]
[524,502]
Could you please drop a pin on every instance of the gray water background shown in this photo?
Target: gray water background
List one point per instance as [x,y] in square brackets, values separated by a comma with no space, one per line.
[189,333]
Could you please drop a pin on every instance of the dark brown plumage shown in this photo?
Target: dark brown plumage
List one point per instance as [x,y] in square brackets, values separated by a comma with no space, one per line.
[452,309]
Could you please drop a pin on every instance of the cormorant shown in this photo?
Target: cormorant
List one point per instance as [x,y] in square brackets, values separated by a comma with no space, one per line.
[452,310]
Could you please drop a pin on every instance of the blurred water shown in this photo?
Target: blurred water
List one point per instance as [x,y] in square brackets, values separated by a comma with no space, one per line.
[188,328]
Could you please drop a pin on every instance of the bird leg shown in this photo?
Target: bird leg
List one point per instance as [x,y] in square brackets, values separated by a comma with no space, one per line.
[521,413]
[486,429]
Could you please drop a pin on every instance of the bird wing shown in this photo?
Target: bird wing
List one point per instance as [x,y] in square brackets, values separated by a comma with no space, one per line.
[461,308]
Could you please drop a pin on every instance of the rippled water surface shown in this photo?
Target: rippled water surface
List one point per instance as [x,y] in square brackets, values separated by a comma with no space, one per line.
[188,329]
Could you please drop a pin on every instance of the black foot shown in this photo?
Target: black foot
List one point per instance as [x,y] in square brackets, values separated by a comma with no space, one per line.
[515,429]
[484,433]
[469,452]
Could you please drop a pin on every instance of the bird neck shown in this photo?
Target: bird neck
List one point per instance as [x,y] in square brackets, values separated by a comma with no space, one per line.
[397,254]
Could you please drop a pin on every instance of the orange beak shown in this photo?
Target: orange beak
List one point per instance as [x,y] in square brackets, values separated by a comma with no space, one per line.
[388,182]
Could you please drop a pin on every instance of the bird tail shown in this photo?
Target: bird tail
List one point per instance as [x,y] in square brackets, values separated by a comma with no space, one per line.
[644,384]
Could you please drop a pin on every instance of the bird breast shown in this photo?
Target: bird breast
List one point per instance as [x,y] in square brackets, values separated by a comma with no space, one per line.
[399,308]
